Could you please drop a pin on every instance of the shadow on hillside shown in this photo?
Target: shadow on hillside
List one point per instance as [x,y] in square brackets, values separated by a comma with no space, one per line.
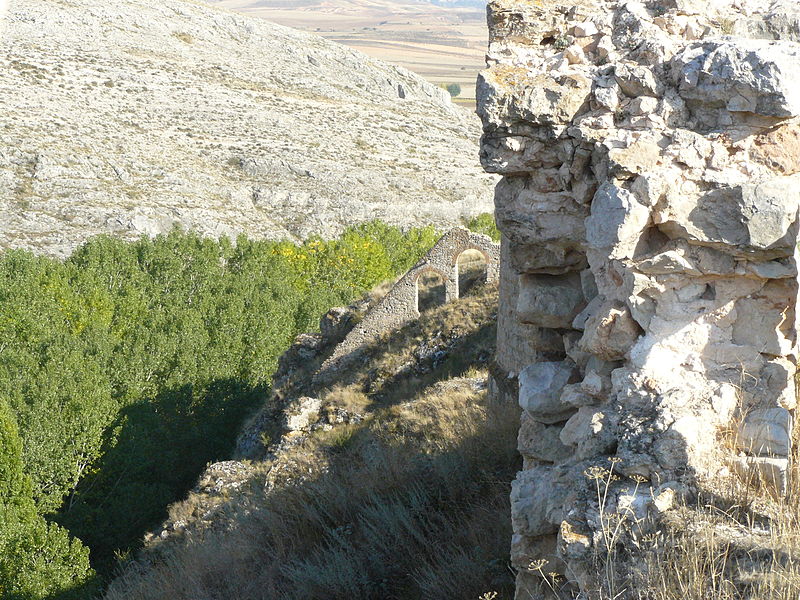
[397,512]
[153,456]
[411,503]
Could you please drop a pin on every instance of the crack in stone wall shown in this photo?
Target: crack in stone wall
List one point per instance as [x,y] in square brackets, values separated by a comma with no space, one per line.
[650,154]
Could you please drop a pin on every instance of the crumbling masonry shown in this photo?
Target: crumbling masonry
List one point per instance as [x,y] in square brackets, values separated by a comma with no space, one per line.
[650,154]
[400,305]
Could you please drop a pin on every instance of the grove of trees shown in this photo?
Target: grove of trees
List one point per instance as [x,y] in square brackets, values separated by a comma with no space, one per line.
[128,367]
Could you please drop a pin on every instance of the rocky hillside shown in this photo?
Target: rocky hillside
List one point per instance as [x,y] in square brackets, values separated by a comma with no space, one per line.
[129,117]
[388,480]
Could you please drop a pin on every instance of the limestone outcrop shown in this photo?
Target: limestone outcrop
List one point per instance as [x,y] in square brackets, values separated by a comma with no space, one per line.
[650,154]
[129,118]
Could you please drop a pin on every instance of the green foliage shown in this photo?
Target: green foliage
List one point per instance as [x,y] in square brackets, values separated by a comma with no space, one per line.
[130,366]
[453,89]
[484,223]
[37,558]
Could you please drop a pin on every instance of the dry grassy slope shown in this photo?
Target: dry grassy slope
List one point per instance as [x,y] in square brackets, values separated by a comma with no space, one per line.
[396,488]
[129,117]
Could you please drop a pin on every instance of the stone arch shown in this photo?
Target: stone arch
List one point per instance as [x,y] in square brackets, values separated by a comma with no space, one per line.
[401,304]
[430,289]
[471,268]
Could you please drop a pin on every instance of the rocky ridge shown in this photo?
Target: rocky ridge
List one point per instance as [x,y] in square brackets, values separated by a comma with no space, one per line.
[649,208]
[132,117]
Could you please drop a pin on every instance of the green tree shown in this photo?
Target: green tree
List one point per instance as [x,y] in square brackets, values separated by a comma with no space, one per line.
[453,89]
[484,223]
[37,559]
[130,366]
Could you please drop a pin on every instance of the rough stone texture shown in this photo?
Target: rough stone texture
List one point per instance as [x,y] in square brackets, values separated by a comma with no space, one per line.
[133,116]
[649,211]
[400,304]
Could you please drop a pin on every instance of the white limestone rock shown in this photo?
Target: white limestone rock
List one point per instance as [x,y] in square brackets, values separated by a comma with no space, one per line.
[766,432]
[536,502]
[540,386]
[616,221]
[541,441]
[551,301]
[741,75]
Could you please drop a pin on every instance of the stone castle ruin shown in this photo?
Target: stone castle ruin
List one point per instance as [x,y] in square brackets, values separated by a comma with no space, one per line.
[650,154]
[403,301]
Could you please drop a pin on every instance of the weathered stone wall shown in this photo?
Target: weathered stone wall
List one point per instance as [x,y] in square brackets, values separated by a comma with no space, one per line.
[400,305]
[649,208]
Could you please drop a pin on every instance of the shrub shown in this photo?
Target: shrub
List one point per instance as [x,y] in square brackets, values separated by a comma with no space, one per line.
[484,223]
[37,558]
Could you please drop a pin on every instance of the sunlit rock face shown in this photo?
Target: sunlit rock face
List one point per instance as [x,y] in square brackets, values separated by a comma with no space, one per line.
[133,117]
[650,154]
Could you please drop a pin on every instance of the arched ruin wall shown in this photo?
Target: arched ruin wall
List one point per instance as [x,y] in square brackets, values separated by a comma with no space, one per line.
[400,304]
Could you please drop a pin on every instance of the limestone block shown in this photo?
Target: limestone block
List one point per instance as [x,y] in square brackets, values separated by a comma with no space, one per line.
[545,230]
[782,22]
[766,432]
[525,550]
[575,55]
[611,332]
[776,384]
[591,430]
[671,261]
[541,441]
[301,413]
[509,93]
[540,387]
[535,501]
[574,350]
[550,301]
[616,221]
[773,269]
[607,97]
[742,75]
[759,322]
[595,385]
[754,219]
[769,473]
[574,395]
[637,80]
[584,29]
[579,322]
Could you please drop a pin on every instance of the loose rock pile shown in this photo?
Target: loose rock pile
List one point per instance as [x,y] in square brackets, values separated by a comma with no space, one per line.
[649,207]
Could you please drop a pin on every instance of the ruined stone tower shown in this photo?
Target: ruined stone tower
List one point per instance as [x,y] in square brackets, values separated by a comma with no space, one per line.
[650,154]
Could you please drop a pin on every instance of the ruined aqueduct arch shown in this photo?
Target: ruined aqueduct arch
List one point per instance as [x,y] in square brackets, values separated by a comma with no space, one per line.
[400,305]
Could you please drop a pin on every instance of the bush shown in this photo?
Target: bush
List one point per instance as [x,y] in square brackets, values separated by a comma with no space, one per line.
[454,89]
[484,223]
[37,559]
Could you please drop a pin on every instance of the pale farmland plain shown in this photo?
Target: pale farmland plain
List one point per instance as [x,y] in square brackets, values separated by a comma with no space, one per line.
[443,43]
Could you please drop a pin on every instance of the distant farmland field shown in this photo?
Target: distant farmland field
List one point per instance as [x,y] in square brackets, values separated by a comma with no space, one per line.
[444,42]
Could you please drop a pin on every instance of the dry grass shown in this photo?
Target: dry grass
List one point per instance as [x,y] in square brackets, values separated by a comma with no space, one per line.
[411,502]
[742,544]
